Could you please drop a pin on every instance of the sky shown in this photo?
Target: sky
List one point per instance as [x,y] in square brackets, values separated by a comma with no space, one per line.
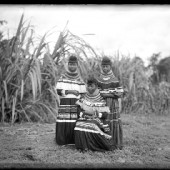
[139,30]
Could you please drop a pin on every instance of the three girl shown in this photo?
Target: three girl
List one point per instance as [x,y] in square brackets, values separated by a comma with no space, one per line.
[91,121]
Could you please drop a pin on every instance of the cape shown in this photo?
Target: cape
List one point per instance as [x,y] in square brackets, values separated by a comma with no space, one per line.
[106,81]
[71,81]
[93,103]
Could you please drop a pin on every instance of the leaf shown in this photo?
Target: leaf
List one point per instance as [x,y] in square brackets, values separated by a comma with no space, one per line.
[6,91]
[29,42]
[40,47]
[23,111]
[13,109]
[56,96]
[22,89]
[36,114]
[17,33]
[33,85]
[1,73]
[3,108]
[24,34]
[45,106]
[58,44]
[38,73]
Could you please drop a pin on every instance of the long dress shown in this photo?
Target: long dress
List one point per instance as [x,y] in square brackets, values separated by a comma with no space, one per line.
[68,110]
[92,132]
[106,82]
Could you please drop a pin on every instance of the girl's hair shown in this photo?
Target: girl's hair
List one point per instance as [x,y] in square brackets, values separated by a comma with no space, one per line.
[106,61]
[72,59]
[91,80]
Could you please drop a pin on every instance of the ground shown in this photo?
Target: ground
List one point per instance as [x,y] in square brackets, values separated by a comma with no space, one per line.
[32,145]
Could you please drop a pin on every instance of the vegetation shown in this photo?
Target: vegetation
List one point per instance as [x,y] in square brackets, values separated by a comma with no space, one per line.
[28,77]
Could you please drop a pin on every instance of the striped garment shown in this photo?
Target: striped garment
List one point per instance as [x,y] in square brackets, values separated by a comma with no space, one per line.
[92,132]
[88,126]
[71,81]
[68,110]
[93,104]
[105,83]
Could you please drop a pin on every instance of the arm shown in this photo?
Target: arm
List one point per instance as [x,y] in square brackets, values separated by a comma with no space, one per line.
[119,90]
[62,92]
[106,95]
[110,90]
[75,92]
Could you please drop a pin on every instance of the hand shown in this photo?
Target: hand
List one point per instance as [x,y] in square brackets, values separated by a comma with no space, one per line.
[76,92]
[81,114]
[118,94]
[100,115]
[63,92]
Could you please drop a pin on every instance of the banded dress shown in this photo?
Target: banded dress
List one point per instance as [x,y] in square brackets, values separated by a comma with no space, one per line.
[92,132]
[68,110]
[105,82]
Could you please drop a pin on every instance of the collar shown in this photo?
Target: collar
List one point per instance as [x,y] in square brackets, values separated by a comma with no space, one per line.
[69,73]
[107,74]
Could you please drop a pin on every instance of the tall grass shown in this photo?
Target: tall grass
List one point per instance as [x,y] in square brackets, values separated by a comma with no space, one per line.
[27,79]
[142,96]
[23,96]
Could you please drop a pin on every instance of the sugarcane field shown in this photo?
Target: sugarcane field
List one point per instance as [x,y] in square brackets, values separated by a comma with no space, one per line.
[72,106]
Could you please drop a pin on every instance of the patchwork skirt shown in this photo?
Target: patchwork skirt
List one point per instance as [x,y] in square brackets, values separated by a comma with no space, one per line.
[89,136]
[66,120]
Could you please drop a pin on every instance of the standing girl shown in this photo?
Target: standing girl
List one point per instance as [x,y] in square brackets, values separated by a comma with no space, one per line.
[69,88]
[111,91]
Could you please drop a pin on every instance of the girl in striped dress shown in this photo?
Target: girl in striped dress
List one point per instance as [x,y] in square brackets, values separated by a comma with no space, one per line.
[112,92]
[69,87]
[92,131]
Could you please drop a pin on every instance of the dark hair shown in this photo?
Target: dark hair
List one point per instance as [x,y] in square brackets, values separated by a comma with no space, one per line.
[72,59]
[106,61]
[91,80]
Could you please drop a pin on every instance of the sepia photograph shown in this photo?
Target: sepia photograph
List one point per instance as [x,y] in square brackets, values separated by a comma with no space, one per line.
[84,86]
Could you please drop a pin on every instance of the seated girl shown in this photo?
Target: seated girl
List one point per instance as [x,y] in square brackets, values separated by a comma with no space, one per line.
[92,130]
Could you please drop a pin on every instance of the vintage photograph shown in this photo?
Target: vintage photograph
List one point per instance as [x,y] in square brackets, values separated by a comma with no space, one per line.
[84,86]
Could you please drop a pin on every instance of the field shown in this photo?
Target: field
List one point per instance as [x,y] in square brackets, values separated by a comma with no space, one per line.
[29,71]
[32,145]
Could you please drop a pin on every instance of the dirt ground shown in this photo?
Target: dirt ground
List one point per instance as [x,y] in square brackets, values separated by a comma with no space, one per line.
[32,145]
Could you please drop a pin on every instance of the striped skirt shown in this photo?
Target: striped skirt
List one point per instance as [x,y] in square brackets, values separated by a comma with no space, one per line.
[88,135]
[66,120]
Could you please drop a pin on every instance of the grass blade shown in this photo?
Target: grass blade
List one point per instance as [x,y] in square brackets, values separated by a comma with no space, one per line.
[3,108]
[22,89]
[13,109]
[6,91]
